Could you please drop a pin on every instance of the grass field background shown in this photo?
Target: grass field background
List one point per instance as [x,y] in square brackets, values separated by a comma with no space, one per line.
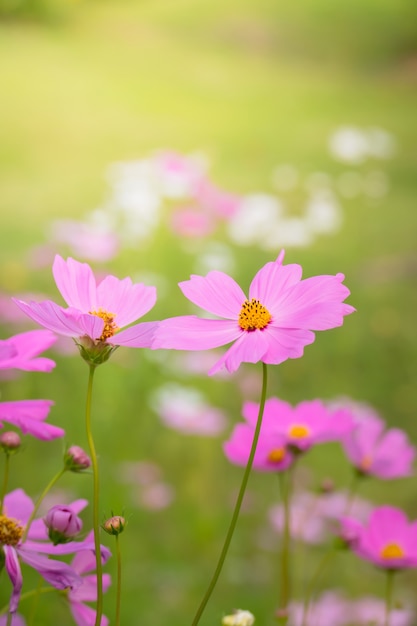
[252,85]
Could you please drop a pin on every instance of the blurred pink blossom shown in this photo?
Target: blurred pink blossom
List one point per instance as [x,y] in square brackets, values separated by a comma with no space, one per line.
[22,351]
[330,609]
[85,240]
[190,222]
[371,610]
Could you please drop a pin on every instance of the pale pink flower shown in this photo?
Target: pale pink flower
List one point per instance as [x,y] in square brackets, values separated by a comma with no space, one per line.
[271,454]
[388,540]
[86,240]
[330,609]
[30,416]
[22,351]
[96,311]
[375,451]
[191,223]
[370,610]
[303,425]
[273,324]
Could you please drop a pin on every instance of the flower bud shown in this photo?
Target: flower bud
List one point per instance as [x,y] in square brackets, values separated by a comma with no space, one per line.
[239,618]
[62,524]
[10,441]
[114,525]
[76,460]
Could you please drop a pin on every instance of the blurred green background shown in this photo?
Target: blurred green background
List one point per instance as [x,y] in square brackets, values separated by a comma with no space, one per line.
[251,84]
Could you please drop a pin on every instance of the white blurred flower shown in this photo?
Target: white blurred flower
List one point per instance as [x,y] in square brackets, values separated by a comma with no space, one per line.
[239,618]
[349,144]
[323,213]
[288,232]
[254,219]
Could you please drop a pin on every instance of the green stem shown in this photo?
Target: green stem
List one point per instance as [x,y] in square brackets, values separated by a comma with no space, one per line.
[39,500]
[119,581]
[330,554]
[9,619]
[285,480]
[238,504]
[5,480]
[96,521]
[388,595]
[35,602]
[30,594]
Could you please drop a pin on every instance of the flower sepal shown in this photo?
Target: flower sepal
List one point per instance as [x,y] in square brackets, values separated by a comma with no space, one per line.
[94,352]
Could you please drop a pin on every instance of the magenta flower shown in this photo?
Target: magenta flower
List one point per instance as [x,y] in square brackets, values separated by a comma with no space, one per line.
[82,563]
[21,351]
[95,311]
[388,540]
[30,416]
[375,451]
[303,425]
[16,513]
[273,324]
[271,454]
[62,523]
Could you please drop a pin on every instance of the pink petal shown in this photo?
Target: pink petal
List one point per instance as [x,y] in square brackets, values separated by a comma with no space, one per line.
[85,615]
[272,281]
[15,574]
[128,302]
[286,343]
[25,347]
[217,293]
[387,524]
[137,336]
[249,348]
[18,505]
[57,573]
[28,415]
[194,333]
[87,592]
[76,283]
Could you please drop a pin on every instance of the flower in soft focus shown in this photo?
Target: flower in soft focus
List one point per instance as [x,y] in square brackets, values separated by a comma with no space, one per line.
[82,563]
[89,240]
[330,609]
[30,416]
[149,491]
[62,523]
[16,512]
[191,223]
[273,324]
[239,618]
[375,451]
[388,540]
[95,312]
[372,611]
[21,351]
[10,441]
[76,459]
[271,454]
[114,525]
[303,425]
[186,410]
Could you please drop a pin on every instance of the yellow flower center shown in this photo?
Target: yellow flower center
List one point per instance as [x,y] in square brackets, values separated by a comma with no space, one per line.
[392,551]
[299,431]
[366,462]
[11,531]
[110,326]
[253,316]
[276,455]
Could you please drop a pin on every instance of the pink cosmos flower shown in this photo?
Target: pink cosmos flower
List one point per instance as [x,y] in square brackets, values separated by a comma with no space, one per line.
[330,609]
[375,451]
[94,310]
[273,324]
[30,416]
[16,513]
[20,351]
[388,540]
[82,563]
[303,425]
[271,454]
[370,610]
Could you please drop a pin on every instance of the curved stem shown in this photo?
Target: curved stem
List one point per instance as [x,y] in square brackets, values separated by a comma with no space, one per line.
[96,521]
[330,554]
[238,504]
[5,480]
[388,595]
[39,500]
[119,581]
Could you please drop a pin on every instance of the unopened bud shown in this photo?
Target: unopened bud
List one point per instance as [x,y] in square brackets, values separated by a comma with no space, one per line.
[76,460]
[114,525]
[239,618]
[62,524]
[10,441]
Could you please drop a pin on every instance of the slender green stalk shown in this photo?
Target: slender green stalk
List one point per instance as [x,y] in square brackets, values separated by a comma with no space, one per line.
[35,602]
[9,619]
[119,581]
[388,595]
[285,591]
[41,497]
[238,504]
[31,593]
[96,521]
[324,562]
[5,480]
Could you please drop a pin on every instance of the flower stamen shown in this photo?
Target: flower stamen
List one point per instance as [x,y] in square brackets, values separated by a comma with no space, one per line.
[110,327]
[392,551]
[276,455]
[253,316]
[298,431]
[11,531]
